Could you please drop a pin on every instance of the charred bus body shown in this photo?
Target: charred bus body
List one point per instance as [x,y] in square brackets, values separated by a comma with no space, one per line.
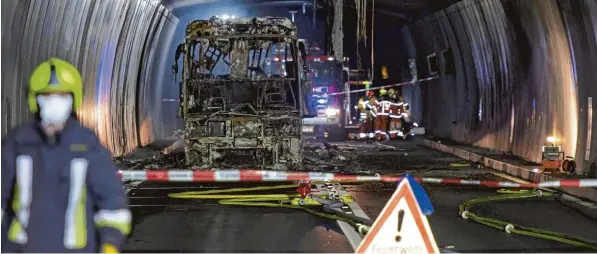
[238,109]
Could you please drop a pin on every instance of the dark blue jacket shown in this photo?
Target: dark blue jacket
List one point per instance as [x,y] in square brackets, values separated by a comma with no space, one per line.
[64,193]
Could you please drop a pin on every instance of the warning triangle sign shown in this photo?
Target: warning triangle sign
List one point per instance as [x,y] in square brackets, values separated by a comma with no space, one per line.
[401,227]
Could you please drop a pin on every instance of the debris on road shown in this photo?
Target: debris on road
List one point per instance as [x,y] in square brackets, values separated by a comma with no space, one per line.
[145,158]
[338,157]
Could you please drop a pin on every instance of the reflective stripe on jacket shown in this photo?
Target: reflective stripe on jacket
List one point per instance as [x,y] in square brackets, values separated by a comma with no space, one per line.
[60,194]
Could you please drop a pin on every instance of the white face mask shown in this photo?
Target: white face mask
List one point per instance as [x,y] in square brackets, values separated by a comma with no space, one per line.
[54,108]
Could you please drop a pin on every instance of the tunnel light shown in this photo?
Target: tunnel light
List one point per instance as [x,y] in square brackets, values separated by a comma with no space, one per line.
[551,139]
[226,16]
[331,112]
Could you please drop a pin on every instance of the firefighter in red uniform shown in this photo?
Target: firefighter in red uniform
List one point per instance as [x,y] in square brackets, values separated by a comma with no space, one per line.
[407,123]
[395,114]
[383,111]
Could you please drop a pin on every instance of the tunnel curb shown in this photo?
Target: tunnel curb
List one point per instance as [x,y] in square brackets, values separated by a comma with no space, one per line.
[587,193]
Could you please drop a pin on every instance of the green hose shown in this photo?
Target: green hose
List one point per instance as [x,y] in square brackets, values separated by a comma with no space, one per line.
[519,229]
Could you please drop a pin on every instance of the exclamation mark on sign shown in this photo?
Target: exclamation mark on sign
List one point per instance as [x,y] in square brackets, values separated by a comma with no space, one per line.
[400,219]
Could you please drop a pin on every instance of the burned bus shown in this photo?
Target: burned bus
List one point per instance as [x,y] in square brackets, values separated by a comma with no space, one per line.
[239,110]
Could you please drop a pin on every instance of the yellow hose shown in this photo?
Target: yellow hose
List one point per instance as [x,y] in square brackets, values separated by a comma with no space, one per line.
[519,229]
[291,201]
[265,200]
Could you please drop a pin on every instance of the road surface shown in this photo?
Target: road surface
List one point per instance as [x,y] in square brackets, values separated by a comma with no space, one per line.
[162,224]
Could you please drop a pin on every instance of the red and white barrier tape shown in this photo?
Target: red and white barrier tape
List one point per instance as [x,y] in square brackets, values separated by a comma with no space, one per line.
[282,176]
[386,86]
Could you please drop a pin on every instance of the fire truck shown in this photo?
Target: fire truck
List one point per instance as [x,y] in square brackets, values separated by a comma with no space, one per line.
[324,73]
[355,84]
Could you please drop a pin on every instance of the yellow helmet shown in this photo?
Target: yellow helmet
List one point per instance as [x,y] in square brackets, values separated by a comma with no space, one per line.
[383,91]
[392,91]
[55,75]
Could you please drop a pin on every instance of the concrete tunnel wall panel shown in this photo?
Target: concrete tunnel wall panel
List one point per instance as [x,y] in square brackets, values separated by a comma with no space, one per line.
[524,70]
[111,42]
[158,115]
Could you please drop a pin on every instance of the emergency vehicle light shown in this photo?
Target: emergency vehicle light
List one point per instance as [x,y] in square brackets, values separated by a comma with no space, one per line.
[329,112]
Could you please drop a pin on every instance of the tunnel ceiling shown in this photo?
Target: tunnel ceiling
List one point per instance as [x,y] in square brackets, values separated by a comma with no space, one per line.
[404,9]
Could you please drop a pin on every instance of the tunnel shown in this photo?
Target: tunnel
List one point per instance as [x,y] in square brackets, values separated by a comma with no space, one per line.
[499,74]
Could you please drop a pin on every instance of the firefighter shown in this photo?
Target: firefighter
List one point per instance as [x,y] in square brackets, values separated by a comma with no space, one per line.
[395,114]
[60,190]
[371,115]
[383,112]
[407,123]
[363,117]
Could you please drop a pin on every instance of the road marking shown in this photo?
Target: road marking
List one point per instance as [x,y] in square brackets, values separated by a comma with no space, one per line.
[351,234]
[132,186]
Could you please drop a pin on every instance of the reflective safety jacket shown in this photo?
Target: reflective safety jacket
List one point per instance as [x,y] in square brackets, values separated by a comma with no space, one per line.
[404,108]
[363,108]
[61,194]
[371,107]
[383,105]
[396,107]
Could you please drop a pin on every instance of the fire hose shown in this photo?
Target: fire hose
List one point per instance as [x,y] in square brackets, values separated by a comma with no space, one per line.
[292,201]
[303,201]
[464,212]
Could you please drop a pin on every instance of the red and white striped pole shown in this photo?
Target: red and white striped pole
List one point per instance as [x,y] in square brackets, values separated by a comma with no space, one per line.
[284,176]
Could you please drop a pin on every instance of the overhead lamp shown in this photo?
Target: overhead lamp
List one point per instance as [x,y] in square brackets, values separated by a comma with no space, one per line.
[331,112]
[551,139]
[226,16]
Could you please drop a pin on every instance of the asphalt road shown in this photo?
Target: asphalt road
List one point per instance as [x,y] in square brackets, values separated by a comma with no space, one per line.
[181,225]
[173,225]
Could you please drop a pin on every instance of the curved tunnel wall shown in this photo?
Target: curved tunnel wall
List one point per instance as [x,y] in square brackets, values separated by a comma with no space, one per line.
[523,70]
[116,46]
